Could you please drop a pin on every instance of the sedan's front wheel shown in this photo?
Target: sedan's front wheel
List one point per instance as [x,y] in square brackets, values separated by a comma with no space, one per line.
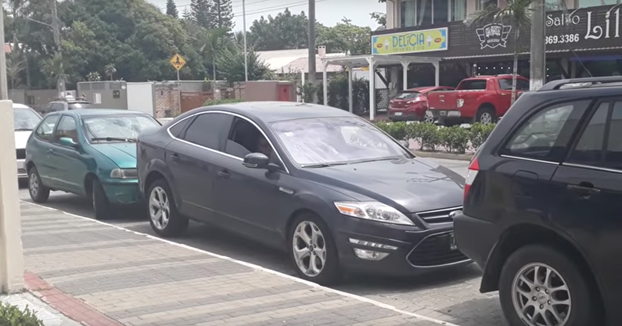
[313,250]
[541,286]
[165,220]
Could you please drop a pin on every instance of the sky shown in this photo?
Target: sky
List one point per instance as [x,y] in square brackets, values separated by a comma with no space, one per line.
[328,12]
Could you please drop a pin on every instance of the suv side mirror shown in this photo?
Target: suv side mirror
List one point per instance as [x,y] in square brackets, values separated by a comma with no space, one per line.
[256,161]
[66,141]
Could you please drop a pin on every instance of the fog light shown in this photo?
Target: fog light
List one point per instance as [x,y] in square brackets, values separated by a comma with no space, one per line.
[372,244]
[369,254]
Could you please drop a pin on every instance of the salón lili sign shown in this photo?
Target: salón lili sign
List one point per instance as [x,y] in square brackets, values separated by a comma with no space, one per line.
[594,31]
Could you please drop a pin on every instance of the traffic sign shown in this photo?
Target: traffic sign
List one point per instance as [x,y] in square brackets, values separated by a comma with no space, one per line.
[178,62]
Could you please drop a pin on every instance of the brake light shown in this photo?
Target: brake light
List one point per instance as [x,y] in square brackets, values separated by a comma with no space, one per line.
[470,177]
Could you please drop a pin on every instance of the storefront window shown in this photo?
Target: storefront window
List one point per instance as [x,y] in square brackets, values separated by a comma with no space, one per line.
[425,12]
[408,13]
[554,4]
[595,3]
[458,10]
[483,4]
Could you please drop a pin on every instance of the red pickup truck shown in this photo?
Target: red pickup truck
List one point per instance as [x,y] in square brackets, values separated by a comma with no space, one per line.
[478,99]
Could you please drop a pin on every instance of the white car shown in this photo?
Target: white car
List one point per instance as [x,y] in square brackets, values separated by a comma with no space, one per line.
[25,120]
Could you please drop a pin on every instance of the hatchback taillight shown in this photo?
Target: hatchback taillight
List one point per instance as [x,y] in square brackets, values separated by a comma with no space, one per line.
[471,175]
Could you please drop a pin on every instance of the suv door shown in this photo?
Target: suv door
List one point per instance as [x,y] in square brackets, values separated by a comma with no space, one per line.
[588,192]
[191,162]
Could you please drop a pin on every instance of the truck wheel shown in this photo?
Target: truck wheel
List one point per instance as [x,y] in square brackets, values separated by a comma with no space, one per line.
[486,115]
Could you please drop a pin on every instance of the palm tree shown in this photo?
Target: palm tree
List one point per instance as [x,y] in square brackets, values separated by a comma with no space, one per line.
[215,43]
[15,64]
[93,76]
[516,13]
[110,70]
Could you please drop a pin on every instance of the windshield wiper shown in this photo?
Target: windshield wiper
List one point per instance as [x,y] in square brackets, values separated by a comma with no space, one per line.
[324,165]
[127,140]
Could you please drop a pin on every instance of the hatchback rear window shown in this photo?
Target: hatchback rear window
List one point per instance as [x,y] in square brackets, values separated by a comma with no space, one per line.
[408,95]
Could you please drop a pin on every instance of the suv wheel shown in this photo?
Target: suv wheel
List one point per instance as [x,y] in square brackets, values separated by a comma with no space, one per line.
[38,192]
[540,285]
[313,250]
[163,215]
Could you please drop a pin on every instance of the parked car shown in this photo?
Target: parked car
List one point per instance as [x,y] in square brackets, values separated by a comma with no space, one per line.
[90,153]
[480,99]
[25,120]
[66,104]
[412,104]
[325,185]
[542,206]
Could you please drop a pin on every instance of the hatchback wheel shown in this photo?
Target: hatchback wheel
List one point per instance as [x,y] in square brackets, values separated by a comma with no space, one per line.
[313,250]
[38,192]
[540,286]
[101,205]
[428,117]
[165,220]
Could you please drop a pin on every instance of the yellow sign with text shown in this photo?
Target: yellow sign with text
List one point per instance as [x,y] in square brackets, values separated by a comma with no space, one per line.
[427,40]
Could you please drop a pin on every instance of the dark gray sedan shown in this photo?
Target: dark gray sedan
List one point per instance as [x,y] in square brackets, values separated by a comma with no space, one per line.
[327,186]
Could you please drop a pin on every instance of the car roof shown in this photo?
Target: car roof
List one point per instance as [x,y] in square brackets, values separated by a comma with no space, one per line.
[93,112]
[424,89]
[20,106]
[269,111]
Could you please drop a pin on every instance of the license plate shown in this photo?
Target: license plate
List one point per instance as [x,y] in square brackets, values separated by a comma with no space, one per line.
[398,113]
[453,114]
[443,113]
[452,242]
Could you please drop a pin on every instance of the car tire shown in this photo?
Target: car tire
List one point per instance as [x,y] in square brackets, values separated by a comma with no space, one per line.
[538,295]
[101,205]
[324,246]
[486,113]
[164,218]
[38,192]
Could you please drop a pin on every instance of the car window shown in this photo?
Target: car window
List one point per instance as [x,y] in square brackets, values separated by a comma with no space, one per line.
[25,119]
[46,128]
[589,148]
[179,127]
[206,129]
[408,95]
[66,128]
[506,84]
[116,127]
[613,153]
[546,134]
[473,85]
[245,138]
[57,107]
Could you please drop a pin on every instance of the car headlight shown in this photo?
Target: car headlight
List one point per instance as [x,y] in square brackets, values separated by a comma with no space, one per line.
[374,211]
[124,174]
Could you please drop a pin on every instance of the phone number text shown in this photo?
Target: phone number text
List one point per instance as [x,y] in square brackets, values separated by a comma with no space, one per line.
[561,39]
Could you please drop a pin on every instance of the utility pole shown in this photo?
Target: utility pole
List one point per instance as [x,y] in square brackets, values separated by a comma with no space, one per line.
[245,50]
[312,42]
[538,48]
[60,83]
[4,90]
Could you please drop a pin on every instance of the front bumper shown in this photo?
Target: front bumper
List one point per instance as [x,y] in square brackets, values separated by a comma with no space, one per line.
[411,250]
[21,169]
[123,193]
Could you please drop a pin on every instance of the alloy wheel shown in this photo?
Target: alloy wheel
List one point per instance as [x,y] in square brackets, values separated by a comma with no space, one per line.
[159,208]
[309,248]
[485,118]
[33,184]
[541,296]
[428,117]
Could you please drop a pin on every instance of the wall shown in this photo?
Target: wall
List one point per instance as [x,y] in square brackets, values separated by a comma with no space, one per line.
[260,91]
[140,97]
[106,90]
[35,98]
[167,99]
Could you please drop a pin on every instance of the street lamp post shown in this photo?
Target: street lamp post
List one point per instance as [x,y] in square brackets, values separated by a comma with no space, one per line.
[245,50]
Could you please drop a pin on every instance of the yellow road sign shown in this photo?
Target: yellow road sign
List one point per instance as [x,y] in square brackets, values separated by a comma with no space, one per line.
[177,61]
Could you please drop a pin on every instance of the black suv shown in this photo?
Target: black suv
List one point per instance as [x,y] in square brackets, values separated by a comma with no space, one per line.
[543,206]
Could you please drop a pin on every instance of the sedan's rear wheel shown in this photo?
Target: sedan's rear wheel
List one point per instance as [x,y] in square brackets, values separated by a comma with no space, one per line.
[163,215]
[38,192]
[313,250]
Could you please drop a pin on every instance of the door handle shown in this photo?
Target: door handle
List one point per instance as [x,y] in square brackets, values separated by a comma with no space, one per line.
[50,151]
[585,189]
[175,157]
[224,174]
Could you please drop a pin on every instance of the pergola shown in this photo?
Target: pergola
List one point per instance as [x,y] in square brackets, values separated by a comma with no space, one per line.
[373,62]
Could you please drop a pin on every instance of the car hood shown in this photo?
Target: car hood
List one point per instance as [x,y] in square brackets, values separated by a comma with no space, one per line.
[21,138]
[410,185]
[122,154]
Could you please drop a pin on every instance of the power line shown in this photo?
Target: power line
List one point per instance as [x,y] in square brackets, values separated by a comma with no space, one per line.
[267,9]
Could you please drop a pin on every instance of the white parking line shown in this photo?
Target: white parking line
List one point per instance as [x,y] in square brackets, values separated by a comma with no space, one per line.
[260,268]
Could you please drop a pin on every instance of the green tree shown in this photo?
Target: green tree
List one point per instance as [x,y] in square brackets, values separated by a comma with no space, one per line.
[15,65]
[516,13]
[215,43]
[380,18]
[230,66]
[93,76]
[283,31]
[202,12]
[346,37]
[110,70]
[222,12]
[171,9]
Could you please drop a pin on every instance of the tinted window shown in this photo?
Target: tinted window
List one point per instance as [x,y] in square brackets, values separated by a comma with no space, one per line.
[245,138]
[179,127]
[46,128]
[206,130]
[521,84]
[67,128]
[589,148]
[408,95]
[545,135]
[473,84]
[613,154]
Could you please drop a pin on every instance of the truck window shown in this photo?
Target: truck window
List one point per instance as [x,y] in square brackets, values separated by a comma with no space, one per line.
[506,84]
[473,85]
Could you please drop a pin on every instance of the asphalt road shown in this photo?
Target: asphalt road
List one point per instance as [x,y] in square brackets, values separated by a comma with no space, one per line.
[451,295]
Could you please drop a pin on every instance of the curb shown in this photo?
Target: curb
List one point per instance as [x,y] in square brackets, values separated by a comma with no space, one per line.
[441,155]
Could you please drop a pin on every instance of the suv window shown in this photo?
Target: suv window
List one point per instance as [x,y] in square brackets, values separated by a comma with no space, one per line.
[546,134]
[46,128]
[473,84]
[506,84]
[206,129]
[67,128]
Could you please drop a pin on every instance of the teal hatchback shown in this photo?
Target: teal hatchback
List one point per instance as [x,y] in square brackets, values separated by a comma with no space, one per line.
[87,152]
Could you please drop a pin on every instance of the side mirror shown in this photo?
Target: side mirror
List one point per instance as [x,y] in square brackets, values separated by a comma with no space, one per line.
[256,161]
[66,141]
[405,144]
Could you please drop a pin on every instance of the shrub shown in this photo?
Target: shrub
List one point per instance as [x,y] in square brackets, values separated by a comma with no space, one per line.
[222,101]
[454,139]
[430,136]
[479,134]
[12,316]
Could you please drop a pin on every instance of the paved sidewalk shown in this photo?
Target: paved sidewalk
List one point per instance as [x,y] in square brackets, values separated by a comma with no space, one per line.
[102,275]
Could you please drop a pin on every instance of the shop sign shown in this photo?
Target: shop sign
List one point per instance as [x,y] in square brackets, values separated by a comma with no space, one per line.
[493,35]
[428,40]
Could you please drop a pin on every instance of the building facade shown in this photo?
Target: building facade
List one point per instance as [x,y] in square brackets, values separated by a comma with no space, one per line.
[584,39]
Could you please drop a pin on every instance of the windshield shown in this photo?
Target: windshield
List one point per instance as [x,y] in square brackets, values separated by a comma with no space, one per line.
[116,127]
[25,119]
[343,140]
[408,95]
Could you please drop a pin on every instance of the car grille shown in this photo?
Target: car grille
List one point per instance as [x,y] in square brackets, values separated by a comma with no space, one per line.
[438,215]
[435,250]
[21,153]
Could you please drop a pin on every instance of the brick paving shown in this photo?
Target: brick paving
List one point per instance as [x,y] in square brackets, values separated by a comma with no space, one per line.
[101,275]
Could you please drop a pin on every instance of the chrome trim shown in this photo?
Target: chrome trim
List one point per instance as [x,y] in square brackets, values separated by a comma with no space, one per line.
[434,266]
[450,210]
[574,165]
[440,210]
[168,130]
[529,159]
